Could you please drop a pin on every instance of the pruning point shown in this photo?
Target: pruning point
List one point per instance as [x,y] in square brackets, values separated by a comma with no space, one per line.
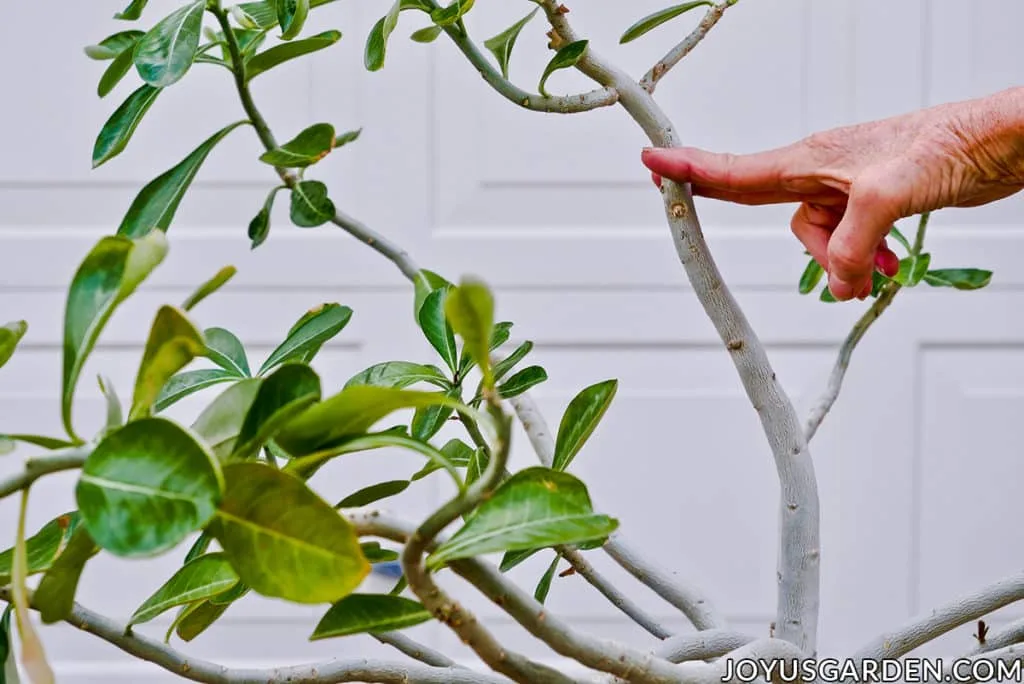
[678,210]
[735,345]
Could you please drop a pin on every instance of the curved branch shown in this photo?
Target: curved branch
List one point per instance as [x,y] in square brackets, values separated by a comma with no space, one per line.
[40,466]
[650,80]
[415,650]
[925,628]
[328,672]
[711,643]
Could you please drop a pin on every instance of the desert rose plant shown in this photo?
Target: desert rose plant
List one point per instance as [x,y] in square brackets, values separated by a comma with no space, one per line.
[233,484]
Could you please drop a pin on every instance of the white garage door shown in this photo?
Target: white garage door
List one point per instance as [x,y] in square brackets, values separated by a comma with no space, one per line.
[919,465]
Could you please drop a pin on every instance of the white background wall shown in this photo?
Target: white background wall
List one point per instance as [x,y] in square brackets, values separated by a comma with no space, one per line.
[918,465]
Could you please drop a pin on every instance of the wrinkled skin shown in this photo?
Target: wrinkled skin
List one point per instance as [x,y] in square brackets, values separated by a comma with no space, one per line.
[853,183]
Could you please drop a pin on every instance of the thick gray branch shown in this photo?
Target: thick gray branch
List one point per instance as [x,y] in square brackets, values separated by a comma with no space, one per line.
[650,80]
[711,643]
[998,667]
[925,628]
[1012,633]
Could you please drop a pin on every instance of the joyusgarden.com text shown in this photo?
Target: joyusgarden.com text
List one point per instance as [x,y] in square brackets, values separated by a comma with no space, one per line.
[910,670]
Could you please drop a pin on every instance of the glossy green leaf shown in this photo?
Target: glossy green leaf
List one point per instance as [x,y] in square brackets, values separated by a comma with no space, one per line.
[427,421]
[370,614]
[427,34]
[457,452]
[10,336]
[534,508]
[231,595]
[351,412]
[375,554]
[196,619]
[512,559]
[155,205]
[399,375]
[113,45]
[259,227]
[309,334]
[898,235]
[812,275]
[43,548]
[215,283]
[282,395]
[377,41]
[106,277]
[255,15]
[221,421]
[347,137]
[826,295]
[198,580]
[544,586]
[199,547]
[959,278]
[470,310]
[122,124]
[55,596]
[146,487]
[279,54]
[291,16]
[920,268]
[522,381]
[165,54]
[190,382]
[133,11]
[423,286]
[115,413]
[565,58]
[653,21]
[580,419]
[502,44]
[115,73]
[226,350]
[447,16]
[437,329]
[373,493]
[502,368]
[310,205]
[307,148]
[284,540]
[173,343]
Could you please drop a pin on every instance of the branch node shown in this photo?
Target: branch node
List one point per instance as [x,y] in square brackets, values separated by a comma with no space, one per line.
[735,345]
[679,210]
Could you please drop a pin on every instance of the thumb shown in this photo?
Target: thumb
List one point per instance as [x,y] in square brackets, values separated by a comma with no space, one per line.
[870,212]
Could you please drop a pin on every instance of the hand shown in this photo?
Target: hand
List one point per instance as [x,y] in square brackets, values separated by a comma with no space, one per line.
[853,183]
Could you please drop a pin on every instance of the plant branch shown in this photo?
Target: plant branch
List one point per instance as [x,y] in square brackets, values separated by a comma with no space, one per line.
[415,650]
[925,628]
[963,673]
[650,80]
[704,645]
[328,672]
[799,554]
[35,468]
[1012,633]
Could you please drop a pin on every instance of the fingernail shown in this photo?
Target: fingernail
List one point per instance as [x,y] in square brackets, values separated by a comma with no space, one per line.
[840,289]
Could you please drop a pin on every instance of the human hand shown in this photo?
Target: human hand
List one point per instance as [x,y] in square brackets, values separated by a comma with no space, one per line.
[854,182]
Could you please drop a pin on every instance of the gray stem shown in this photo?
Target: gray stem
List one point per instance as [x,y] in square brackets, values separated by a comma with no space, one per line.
[650,80]
[711,643]
[415,650]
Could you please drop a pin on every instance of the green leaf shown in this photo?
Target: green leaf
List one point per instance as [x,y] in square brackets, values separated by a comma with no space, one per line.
[209,287]
[173,343]
[166,53]
[446,16]
[311,207]
[811,277]
[190,382]
[309,334]
[377,41]
[54,599]
[351,412]
[437,329]
[375,554]
[959,278]
[423,286]
[536,507]
[291,16]
[198,580]
[544,586]
[106,277]
[399,375]
[305,149]
[920,268]
[120,127]
[900,238]
[196,619]
[43,548]
[10,336]
[113,45]
[155,205]
[255,15]
[8,661]
[427,34]
[565,58]
[259,227]
[284,540]
[427,421]
[501,45]
[347,137]
[50,443]
[200,547]
[826,295]
[508,363]
[455,451]
[513,558]
[284,394]
[133,11]
[370,613]
[114,73]
[279,54]
[373,493]
[477,466]
[522,381]
[226,350]
[580,419]
[146,487]
[470,309]
[115,415]
[652,21]
[221,421]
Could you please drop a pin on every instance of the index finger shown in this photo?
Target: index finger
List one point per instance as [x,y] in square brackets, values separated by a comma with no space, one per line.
[744,173]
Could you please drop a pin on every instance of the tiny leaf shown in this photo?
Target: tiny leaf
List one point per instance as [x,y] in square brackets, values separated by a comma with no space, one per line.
[501,45]
[209,287]
[544,586]
[310,205]
[811,277]
[565,58]
[10,336]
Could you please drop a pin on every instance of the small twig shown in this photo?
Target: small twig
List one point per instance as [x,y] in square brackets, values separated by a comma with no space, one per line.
[1012,633]
[650,80]
[416,650]
[39,466]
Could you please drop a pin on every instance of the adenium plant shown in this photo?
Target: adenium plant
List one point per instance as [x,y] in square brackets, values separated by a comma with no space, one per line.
[234,484]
